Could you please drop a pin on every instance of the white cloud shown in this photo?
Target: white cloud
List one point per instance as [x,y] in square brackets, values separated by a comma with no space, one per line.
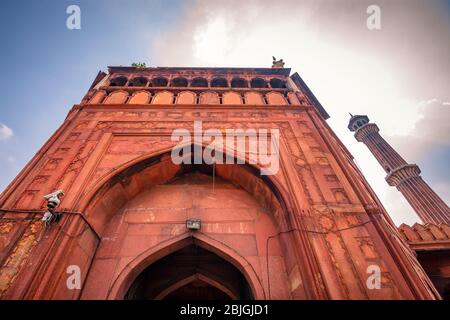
[430,130]
[5,132]
[212,43]
[384,74]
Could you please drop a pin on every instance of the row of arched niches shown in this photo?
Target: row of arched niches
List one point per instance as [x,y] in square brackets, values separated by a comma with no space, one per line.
[197,82]
[121,89]
[190,97]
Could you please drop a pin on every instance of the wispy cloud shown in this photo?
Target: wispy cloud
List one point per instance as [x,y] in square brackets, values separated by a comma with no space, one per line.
[5,132]
[430,131]
[384,74]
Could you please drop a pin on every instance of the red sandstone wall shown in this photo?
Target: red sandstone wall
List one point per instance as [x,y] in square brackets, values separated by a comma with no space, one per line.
[230,215]
[324,190]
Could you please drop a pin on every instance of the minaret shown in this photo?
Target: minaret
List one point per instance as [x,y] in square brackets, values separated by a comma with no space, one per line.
[406,177]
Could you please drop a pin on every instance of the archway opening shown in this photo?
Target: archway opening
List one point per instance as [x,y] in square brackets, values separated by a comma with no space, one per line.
[239,83]
[159,82]
[138,82]
[191,273]
[199,82]
[258,83]
[180,82]
[234,203]
[119,81]
[277,83]
[219,82]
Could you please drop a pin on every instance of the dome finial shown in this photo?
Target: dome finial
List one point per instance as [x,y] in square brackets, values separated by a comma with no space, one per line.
[277,63]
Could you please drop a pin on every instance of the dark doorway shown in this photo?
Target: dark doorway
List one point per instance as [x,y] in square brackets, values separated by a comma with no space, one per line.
[191,273]
[197,290]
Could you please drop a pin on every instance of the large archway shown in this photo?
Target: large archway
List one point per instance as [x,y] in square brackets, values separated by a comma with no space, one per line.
[141,216]
[191,273]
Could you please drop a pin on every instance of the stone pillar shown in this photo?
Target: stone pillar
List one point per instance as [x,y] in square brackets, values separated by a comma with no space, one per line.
[405,177]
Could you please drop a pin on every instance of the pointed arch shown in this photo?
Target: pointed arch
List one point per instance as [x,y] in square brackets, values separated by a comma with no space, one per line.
[115,185]
[129,273]
[115,189]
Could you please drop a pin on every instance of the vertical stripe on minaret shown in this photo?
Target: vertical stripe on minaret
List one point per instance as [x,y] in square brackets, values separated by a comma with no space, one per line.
[406,177]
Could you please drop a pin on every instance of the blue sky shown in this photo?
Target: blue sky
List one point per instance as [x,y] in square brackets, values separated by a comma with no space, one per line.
[47,68]
[399,75]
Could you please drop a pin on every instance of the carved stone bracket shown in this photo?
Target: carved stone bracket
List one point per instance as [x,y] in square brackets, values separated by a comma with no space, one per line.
[401,174]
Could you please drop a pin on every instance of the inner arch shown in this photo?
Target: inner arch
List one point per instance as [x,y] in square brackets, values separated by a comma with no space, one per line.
[191,273]
[141,210]
[127,183]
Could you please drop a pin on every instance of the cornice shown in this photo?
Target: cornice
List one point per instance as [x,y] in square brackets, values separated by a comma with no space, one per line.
[195,70]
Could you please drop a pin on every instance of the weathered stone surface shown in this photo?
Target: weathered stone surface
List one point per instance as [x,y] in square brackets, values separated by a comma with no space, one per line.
[310,231]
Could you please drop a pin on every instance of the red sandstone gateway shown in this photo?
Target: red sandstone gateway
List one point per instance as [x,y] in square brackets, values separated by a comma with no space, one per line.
[135,225]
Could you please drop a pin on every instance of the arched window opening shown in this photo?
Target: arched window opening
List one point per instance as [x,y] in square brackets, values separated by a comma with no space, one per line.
[138,82]
[199,83]
[239,83]
[277,83]
[258,83]
[118,82]
[180,82]
[219,82]
[160,82]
